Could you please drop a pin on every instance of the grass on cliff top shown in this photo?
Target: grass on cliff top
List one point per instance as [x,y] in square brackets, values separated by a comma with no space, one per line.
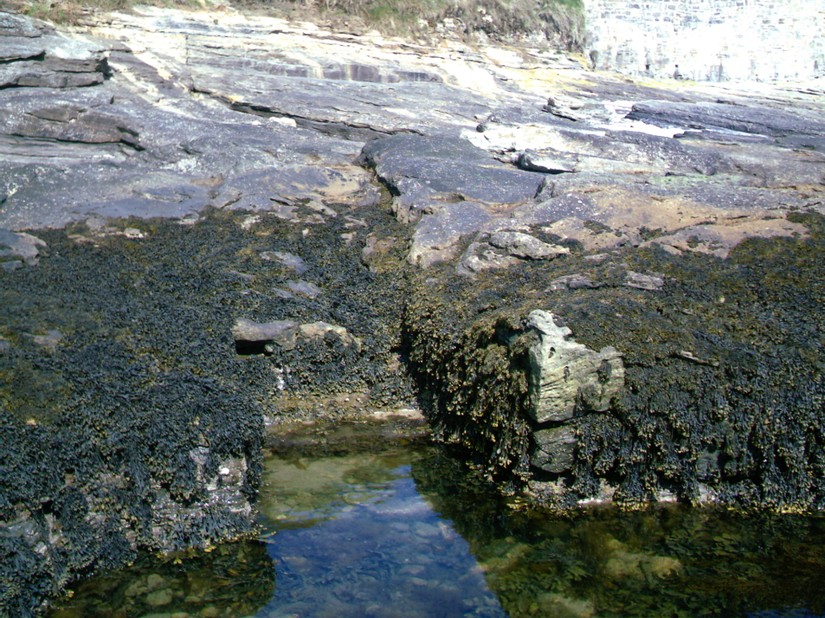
[558,20]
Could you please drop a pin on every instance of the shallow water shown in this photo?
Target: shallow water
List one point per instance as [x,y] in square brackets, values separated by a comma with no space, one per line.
[406,531]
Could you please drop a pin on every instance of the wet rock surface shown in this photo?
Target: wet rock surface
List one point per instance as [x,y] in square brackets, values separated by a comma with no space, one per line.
[176,188]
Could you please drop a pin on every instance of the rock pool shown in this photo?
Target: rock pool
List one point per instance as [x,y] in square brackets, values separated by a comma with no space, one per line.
[397,527]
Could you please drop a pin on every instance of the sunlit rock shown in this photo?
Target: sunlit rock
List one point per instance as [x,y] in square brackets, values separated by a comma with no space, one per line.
[566,377]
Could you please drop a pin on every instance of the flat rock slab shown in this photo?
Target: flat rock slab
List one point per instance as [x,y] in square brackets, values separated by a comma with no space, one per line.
[12,25]
[751,119]
[450,186]
[20,49]
[427,169]
[33,55]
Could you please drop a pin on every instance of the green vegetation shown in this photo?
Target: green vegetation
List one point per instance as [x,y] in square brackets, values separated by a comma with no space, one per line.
[559,21]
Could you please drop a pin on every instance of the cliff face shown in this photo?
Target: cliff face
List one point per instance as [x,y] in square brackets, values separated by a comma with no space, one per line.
[708,40]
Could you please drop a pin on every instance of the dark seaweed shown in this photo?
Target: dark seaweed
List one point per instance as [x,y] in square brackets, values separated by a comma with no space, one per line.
[109,436]
[740,417]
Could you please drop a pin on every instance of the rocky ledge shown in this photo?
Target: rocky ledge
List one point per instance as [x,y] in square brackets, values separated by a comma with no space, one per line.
[596,289]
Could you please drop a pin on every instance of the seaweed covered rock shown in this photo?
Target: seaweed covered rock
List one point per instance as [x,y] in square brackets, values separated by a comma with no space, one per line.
[109,446]
[393,188]
[142,428]
[707,389]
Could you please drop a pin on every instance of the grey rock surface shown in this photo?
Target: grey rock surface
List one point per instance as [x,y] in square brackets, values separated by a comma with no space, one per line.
[288,260]
[566,378]
[729,116]
[254,337]
[20,246]
[503,249]
[554,450]
[525,246]
[547,163]
[12,25]
[280,332]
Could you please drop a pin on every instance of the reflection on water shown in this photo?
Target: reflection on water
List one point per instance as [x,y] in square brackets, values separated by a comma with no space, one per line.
[406,531]
[351,536]
[673,561]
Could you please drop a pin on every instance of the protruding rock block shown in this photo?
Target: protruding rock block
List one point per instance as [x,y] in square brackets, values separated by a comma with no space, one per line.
[17,248]
[251,337]
[547,163]
[262,338]
[503,249]
[567,378]
[525,246]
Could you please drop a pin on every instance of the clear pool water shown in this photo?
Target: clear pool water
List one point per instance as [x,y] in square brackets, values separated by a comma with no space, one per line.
[405,531]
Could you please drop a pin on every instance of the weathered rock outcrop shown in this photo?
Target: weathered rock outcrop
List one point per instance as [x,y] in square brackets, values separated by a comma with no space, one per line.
[17,249]
[720,397]
[353,207]
[34,55]
[566,378]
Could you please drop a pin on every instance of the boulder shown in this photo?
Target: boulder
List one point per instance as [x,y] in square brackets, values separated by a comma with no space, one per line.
[503,249]
[525,246]
[251,337]
[262,337]
[17,247]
